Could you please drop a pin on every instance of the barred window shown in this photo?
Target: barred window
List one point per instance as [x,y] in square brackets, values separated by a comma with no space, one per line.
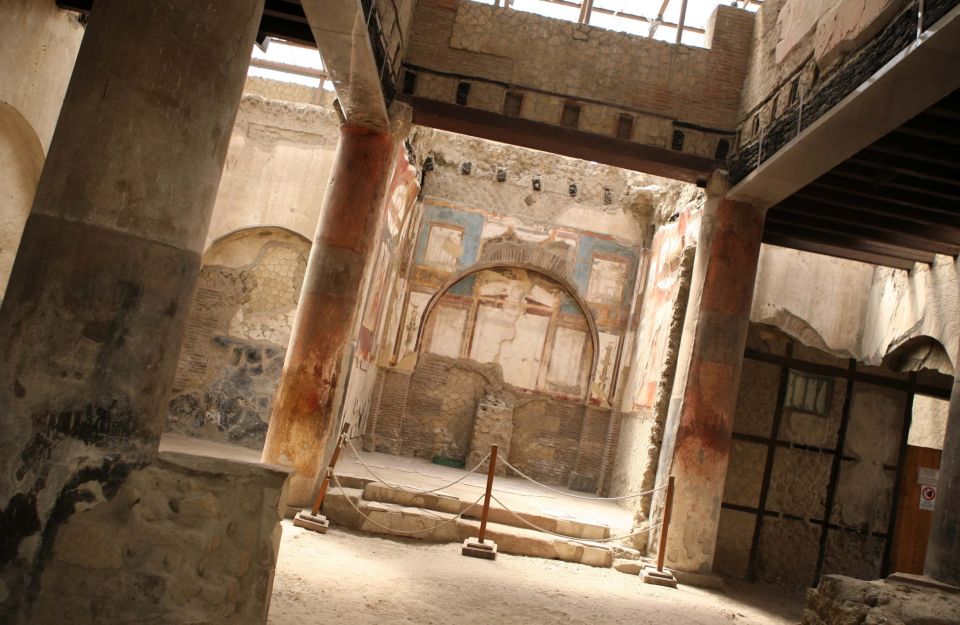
[808,392]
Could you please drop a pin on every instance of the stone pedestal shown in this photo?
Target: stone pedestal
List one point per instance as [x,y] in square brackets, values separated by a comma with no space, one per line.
[187,539]
[302,423]
[93,317]
[493,425]
[943,547]
[697,434]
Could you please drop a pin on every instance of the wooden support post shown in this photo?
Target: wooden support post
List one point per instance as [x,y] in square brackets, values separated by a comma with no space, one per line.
[658,576]
[680,22]
[314,520]
[482,548]
[329,474]
[586,10]
[486,498]
[665,528]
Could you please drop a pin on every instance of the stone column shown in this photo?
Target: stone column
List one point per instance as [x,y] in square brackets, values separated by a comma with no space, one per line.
[304,411]
[697,434]
[943,547]
[94,313]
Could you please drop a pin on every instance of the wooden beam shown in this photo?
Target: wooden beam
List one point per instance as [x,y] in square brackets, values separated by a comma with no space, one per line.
[910,167]
[804,245]
[852,200]
[858,216]
[871,194]
[564,141]
[850,241]
[917,149]
[863,233]
[885,178]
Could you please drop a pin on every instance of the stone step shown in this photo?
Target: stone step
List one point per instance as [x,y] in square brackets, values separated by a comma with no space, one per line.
[395,519]
[442,502]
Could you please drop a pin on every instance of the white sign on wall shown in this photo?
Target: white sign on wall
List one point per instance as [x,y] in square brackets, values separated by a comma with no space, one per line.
[928,497]
[928,477]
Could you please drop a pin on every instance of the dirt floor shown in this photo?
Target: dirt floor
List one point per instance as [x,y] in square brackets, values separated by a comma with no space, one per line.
[357,579]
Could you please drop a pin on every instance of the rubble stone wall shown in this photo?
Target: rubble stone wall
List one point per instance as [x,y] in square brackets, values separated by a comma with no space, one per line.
[184,540]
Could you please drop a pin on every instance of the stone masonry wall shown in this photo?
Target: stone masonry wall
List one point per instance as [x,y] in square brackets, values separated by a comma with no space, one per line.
[185,540]
[808,56]
[551,62]
[237,334]
[863,421]
[433,411]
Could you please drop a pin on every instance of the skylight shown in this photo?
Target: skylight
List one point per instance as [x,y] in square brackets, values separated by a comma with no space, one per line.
[637,17]
[287,62]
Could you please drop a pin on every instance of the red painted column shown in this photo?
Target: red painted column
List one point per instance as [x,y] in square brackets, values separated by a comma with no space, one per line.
[303,416]
[697,437]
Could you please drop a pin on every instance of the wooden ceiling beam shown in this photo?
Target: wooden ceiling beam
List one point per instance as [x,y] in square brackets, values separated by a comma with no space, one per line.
[785,240]
[919,246]
[858,217]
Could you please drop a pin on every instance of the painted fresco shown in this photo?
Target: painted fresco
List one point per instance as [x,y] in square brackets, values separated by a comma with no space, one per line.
[533,328]
[660,293]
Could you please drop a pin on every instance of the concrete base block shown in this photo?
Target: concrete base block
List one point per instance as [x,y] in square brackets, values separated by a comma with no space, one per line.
[473,548]
[651,575]
[307,521]
[700,580]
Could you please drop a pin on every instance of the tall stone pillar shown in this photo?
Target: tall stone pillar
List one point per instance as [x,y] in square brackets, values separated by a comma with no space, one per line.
[943,547]
[303,414]
[94,313]
[697,435]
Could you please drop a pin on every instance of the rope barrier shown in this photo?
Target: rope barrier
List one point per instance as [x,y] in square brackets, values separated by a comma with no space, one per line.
[407,488]
[589,497]
[396,531]
[572,538]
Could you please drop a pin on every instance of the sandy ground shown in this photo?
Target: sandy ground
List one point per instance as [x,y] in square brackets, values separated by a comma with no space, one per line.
[352,578]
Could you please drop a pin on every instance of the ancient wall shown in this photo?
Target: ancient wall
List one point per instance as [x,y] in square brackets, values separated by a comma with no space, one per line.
[432,413]
[816,440]
[858,310]
[519,242]
[904,305]
[809,55]
[549,63]
[819,300]
[187,539]
[38,46]
[377,324]
[646,392]
[279,160]
[240,322]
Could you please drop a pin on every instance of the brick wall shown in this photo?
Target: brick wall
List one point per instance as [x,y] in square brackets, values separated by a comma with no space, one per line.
[787,90]
[431,413]
[550,62]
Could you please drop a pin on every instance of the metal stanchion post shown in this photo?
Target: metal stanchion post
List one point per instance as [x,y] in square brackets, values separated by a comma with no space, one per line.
[658,576]
[313,520]
[482,548]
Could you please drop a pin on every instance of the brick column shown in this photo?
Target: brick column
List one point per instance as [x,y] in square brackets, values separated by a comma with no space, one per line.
[95,310]
[943,547]
[303,414]
[697,435]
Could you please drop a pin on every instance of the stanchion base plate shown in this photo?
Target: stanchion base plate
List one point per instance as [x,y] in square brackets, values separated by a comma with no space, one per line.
[473,548]
[315,523]
[650,575]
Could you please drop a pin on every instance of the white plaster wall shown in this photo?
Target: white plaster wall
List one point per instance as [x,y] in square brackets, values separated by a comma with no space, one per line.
[21,160]
[278,164]
[854,309]
[922,302]
[928,426]
[38,47]
[820,300]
